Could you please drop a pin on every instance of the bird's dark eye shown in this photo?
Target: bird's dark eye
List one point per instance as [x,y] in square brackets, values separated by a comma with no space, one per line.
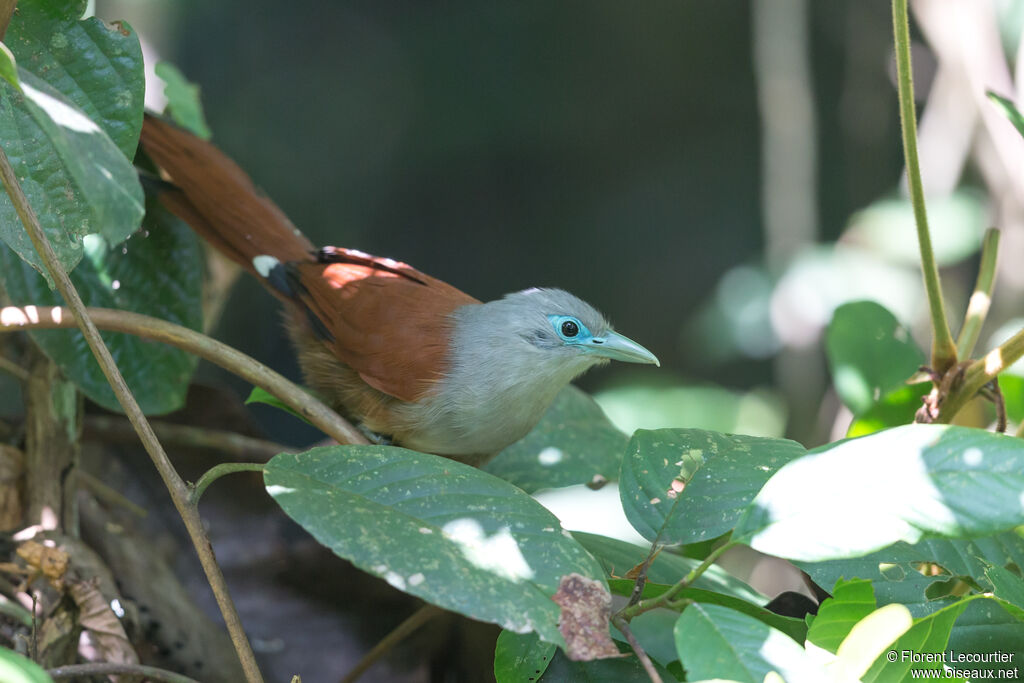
[570,329]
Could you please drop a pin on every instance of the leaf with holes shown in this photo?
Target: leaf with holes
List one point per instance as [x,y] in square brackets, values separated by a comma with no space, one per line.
[521,657]
[869,353]
[574,443]
[152,273]
[860,495]
[440,530]
[686,485]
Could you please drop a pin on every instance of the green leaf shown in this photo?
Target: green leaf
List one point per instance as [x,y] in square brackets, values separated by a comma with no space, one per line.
[17,669]
[574,443]
[154,273]
[894,409]
[717,642]
[1009,110]
[448,533]
[71,129]
[860,495]
[1007,587]
[9,67]
[183,101]
[521,657]
[869,353]
[625,670]
[686,485]
[259,395]
[94,65]
[851,601]
[928,635]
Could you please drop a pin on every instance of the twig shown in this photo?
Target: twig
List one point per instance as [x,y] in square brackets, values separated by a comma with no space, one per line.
[234,361]
[6,11]
[237,446]
[103,668]
[652,673]
[641,578]
[216,472]
[418,618]
[980,373]
[175,486]
[108,494]
[630,611]
[943,349]
[981,299]
[11,368]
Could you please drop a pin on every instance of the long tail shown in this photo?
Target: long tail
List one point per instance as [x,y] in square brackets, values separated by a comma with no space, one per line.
[213,195]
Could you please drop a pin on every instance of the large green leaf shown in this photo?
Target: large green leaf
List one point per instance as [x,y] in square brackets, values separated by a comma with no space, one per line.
[15,668]
[851,601]
[521,657]
[446,532]
[574,443]
[869,353]
[155,273]
[928,635]
[72,128]
[717,642]
[856,496]
[687,485]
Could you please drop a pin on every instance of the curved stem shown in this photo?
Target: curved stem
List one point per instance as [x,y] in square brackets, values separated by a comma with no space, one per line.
[978,306]
[417,619]
[665,598]
[103,668]
[36,318]
[943,350]
[175,486]
[110,428]
[216,472]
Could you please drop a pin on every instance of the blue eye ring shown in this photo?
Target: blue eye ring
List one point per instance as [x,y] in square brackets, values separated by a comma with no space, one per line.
[569,329]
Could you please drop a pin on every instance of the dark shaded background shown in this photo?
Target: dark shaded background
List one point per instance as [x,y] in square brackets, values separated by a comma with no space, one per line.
[608,148]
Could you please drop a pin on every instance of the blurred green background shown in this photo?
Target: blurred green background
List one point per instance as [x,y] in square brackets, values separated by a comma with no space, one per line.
[674,163]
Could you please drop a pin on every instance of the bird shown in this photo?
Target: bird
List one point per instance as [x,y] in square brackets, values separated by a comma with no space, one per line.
[413,360]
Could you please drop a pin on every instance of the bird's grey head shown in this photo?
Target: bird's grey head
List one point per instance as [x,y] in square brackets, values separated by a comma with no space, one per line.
[548,326]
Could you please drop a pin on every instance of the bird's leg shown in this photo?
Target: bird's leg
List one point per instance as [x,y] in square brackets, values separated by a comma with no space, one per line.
[375,438]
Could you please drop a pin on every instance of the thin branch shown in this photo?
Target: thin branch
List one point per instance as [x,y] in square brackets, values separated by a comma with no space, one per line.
[979,373]
[665,598]
[418,618]
[641,578]
[109,494]
[111,428]
[234,361]
[14,369]
[981,299]
[175,486]
[645,661]
[104,668]
[6,12]
[943,350]
[216,472]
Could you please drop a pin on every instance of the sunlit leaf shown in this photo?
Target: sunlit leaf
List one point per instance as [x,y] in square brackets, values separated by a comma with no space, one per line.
[717,642]
[869,353]
[15,668]
[851,601]
[856,496]
[8,67]
[183,101]
[445,532]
